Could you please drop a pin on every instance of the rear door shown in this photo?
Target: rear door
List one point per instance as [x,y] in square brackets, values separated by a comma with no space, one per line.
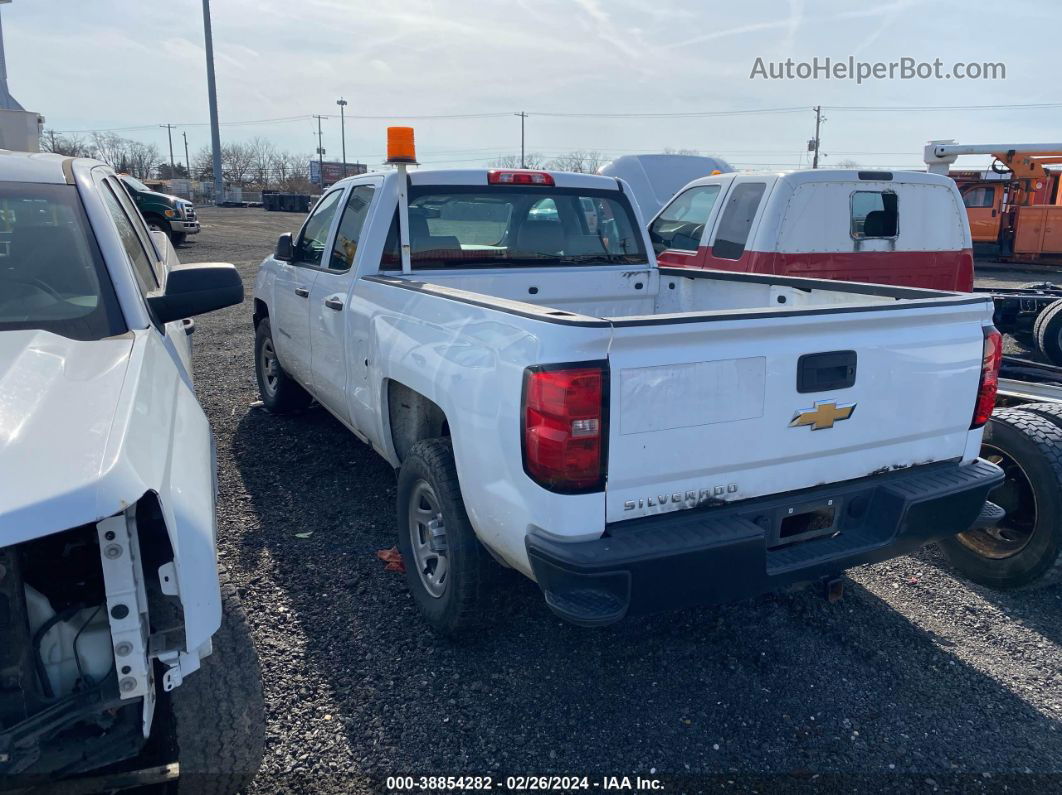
[712,410]
[729,237]
[290,314]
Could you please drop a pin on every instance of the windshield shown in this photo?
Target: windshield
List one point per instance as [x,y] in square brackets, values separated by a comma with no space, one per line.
[471,226]
[51,273]
[135,184]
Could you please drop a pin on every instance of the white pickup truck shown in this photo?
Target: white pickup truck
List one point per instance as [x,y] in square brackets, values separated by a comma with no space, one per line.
[631,437]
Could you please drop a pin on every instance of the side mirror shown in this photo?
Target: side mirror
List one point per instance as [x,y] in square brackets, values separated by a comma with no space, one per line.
[196,289]
[285,250]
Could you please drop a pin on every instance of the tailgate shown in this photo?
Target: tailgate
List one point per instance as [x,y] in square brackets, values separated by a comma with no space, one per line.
[704,410]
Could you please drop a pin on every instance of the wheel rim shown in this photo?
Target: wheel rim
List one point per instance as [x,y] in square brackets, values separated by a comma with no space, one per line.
[427,536]
[1016,496]
[270,367]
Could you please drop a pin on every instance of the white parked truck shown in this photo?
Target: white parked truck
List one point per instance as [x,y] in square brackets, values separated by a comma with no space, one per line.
[122,650]
[630,437]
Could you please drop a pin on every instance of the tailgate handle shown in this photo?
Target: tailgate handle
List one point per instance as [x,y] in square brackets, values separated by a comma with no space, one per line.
[821,372]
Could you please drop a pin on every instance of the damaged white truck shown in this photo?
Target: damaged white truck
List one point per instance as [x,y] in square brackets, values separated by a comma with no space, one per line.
[123,653]
[630,437]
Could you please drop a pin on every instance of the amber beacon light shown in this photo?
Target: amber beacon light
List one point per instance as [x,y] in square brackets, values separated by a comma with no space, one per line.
[400,148]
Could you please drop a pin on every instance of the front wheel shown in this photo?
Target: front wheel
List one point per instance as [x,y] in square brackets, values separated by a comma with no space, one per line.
[447,569]
[280,393]
[1023,549]
[178,238]
[219,712]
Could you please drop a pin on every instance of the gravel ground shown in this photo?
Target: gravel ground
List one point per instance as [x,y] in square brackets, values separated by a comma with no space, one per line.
[916,680]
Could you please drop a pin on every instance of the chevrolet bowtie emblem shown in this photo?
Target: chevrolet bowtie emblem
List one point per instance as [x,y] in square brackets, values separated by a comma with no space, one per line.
[823,415]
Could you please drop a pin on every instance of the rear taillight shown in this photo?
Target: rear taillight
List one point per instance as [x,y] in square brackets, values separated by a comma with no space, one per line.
[986,389]
[498,177]
[565,426]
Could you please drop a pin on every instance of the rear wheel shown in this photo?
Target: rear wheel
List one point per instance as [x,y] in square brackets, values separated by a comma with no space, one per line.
[280,394]
[1023,548]
[1048,333]
[447,569]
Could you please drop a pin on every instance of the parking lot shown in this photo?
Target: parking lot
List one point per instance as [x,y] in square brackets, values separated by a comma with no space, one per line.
[915,672]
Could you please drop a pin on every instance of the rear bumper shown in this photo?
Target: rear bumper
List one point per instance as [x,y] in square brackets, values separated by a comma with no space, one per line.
[715,555]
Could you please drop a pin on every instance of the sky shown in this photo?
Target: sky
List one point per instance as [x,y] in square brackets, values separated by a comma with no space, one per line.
[119,64]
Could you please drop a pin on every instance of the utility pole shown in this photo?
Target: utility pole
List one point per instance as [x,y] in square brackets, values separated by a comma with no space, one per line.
[212,91]
[813,144]
[169,134]
[320,152]
[187,160]
[343,131]
[523,116]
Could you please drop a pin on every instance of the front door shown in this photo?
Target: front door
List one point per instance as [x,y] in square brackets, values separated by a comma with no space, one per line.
[290,320]
[330,313]
[982,208]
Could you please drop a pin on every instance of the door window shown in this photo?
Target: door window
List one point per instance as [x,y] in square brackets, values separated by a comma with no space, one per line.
[736,222]
[980,197]
[874,214]
[680,225]
[131,242]
[350,226]
[314,235]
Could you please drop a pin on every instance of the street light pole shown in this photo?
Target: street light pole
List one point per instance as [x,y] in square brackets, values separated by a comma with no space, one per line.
[187,160]
[212,92]
[343,131]
[320,153]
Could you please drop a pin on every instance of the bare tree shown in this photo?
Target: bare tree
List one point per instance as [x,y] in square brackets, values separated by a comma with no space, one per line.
[847,163]
[143,159]
[668,150]
[236,161]
[203,164]
[262,160]
[111,149]
[531,160]
[580,161]
[69,145]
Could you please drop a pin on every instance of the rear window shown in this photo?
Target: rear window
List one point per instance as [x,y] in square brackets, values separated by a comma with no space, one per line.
[499,226]
[734,226]
[52,276]
[874,214]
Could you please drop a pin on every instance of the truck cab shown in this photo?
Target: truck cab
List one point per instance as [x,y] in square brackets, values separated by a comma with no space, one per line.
[164,213]
[901,228]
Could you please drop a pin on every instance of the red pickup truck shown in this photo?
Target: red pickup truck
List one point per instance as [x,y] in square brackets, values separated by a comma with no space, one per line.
[888,227]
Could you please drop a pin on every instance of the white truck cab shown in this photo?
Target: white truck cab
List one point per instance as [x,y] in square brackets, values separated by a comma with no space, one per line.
[628,436]
[110,594]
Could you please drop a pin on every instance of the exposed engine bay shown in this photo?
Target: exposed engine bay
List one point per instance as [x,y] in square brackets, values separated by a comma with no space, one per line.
[82,626]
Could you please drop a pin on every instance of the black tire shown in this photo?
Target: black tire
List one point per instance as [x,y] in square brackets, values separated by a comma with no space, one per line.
[1048,332]
[1052,412]
[178,238]
[1024,549]
[280,394]
[218,711]
[460,591]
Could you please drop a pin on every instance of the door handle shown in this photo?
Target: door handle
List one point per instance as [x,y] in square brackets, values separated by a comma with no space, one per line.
[334,303]
[302,292]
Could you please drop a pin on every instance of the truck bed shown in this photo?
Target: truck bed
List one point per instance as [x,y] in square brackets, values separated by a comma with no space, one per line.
[578,295]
